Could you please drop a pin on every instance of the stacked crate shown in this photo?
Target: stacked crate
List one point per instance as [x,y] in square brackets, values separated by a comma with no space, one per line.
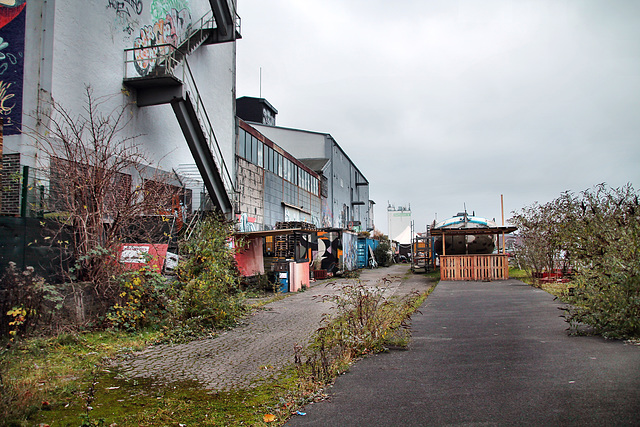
[286,244]
[283,225]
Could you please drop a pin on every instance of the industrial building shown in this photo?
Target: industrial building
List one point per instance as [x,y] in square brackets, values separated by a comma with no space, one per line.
[273,186]
[344,188]
[399,223]
[171,65]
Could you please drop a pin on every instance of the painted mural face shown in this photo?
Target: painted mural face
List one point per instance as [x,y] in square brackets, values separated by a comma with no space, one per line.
[12,26]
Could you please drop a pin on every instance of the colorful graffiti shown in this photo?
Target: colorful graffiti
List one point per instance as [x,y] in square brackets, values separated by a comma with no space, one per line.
[335,251]
[172,29]
[12,26]
[160,8]
[327,250]
[246,223]
[349,251]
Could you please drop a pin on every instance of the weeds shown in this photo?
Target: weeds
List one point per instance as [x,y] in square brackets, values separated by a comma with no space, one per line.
[28,302]
[366,322]
[61,378]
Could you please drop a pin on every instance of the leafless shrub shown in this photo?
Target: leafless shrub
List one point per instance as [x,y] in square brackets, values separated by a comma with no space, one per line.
[101,185]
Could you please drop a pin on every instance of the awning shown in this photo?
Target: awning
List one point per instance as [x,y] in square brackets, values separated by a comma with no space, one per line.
[282,232]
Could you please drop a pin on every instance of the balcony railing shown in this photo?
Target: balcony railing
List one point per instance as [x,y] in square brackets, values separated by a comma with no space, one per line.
[167,66]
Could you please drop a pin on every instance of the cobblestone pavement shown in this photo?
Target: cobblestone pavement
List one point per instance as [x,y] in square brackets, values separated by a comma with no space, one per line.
[264,342]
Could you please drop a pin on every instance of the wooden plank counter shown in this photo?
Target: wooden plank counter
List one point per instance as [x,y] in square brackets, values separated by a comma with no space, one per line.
[474,267]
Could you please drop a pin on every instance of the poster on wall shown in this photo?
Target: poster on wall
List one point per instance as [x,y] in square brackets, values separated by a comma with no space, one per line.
[12,24]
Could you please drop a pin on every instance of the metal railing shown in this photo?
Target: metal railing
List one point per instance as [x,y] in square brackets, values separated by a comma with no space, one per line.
[162,58]
[150,61]
[166,65]
[207,127]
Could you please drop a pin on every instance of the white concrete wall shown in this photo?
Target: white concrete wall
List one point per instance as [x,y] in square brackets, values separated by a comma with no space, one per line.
[74,43]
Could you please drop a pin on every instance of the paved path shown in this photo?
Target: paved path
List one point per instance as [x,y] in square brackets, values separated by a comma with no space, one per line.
[486,354]
[263,343]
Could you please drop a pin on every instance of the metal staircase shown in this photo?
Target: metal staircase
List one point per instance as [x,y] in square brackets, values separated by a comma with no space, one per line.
[228,21]
[170,81]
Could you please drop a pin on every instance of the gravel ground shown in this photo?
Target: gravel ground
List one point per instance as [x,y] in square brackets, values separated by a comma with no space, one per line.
[264,342]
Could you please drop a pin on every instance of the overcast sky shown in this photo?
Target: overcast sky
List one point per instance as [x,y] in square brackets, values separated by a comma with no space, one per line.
[442,103]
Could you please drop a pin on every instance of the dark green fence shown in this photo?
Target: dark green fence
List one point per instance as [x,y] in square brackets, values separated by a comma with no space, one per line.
[36,242]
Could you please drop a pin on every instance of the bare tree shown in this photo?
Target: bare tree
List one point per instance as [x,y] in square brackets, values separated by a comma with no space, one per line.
[101,184]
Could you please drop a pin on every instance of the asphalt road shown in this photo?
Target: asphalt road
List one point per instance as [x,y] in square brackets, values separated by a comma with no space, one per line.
[486,354]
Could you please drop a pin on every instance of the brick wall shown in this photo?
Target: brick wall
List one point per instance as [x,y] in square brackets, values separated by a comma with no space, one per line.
[10,185]
[250,185]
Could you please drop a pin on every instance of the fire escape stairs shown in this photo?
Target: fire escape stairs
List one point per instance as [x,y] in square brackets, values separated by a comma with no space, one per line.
[170,81]
[228,22]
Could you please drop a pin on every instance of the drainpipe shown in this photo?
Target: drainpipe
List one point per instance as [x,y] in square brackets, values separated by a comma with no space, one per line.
[25,191]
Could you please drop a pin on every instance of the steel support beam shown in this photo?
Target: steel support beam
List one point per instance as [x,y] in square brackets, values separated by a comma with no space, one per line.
[197,142]
[225,22]
[158,95]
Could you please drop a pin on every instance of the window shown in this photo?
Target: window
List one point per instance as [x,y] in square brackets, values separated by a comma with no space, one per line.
[241,143]
[247,146]
[260,153]
[254,150]
[267,157]
[285,169]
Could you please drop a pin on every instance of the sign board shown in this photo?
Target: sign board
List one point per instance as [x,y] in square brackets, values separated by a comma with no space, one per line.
[136,255]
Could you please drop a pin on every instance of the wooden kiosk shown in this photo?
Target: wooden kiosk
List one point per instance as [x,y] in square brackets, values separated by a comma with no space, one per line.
[474,267]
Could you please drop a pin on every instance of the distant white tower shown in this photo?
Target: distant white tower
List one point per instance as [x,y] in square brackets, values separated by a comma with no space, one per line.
[399,221]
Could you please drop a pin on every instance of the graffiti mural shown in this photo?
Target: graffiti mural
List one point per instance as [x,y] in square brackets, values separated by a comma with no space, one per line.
[327,215]
[349,251]
[172,29]
[127,13]
[334,251]
[126,7]
[160,8]
[12,25]
[327,250]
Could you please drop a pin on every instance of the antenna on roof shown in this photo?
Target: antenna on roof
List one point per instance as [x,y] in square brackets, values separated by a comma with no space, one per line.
[260,82]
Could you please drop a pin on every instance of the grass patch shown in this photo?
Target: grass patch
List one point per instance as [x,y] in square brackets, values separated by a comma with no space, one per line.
[140,402]
[39,373]
[519,274]
[55,381]
[558,289]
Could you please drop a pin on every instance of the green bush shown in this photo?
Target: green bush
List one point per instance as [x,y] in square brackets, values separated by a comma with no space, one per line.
[603,238]
[141,300]
[382,253]
[595,236]
[208,276]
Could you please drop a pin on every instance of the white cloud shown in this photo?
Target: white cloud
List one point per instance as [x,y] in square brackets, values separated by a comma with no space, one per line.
[442,103]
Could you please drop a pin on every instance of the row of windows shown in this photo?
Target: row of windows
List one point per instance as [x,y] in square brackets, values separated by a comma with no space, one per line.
[254,151]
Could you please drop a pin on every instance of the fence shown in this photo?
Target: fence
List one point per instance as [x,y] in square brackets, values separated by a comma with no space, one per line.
[34,242]
[474,267]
